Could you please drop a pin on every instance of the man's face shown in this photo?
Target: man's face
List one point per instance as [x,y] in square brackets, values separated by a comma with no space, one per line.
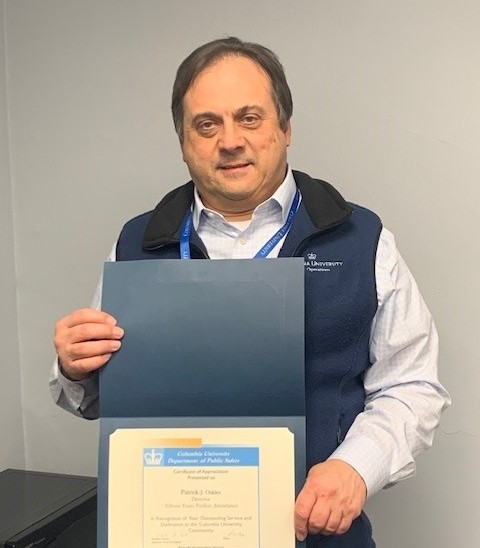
[233,145]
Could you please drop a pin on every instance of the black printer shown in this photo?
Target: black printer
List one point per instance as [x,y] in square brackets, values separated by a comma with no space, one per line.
[39,509]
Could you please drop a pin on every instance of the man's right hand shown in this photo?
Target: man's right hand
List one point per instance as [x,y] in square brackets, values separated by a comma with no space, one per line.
[85,341]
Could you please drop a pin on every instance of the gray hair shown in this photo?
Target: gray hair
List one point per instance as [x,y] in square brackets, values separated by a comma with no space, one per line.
[209,53]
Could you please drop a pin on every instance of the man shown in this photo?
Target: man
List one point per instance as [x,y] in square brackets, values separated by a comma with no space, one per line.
[373,397]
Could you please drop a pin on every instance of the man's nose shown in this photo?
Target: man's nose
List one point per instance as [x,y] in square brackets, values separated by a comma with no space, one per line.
[231,137]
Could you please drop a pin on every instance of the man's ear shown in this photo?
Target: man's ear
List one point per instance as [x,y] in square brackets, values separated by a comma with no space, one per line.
[288,133]
[182,149]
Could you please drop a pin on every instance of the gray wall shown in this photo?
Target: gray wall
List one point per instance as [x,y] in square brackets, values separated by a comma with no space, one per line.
[386,107]
[12,450]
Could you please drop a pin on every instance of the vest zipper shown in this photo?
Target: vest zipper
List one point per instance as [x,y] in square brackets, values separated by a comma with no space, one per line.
[177,242]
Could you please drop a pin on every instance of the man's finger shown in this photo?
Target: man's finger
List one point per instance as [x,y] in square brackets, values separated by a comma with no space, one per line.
[87,315]
[84,367]
[344,525]
[319,517]
[90,349]
[303,507]
[332,524]
[94,331]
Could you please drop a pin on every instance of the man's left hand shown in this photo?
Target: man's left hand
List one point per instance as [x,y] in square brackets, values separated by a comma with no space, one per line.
[332,497]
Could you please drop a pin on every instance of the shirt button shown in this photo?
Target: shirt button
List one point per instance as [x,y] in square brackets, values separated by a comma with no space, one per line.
[243,241]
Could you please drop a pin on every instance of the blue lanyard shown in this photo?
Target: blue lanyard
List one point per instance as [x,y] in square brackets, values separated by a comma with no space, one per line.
[262,254]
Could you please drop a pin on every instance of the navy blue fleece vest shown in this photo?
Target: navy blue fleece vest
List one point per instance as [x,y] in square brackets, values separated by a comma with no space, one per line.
[340,301]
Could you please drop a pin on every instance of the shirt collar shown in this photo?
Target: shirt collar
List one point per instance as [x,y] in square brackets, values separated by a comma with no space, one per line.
[283,197]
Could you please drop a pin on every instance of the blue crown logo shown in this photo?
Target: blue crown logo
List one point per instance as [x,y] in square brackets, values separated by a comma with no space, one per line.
[152,457]
[312,256]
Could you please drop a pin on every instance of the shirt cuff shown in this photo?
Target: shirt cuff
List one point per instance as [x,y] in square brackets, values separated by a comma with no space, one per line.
[367,458]
[74,391]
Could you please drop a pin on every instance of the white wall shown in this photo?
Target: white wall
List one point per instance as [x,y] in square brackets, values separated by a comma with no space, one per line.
[12,448]
[387,108]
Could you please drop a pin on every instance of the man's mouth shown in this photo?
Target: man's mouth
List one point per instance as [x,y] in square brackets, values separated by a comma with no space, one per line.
[234,166]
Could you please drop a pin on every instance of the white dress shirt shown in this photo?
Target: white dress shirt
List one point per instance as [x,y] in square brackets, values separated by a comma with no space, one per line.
[404,398]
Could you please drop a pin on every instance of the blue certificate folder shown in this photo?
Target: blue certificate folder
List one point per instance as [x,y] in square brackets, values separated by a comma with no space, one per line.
[207,343]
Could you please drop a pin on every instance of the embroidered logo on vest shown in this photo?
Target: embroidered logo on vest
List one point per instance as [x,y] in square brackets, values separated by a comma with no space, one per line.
[312,265]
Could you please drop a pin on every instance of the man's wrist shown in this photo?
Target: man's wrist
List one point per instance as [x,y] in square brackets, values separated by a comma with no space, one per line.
[69,376]
[367,459]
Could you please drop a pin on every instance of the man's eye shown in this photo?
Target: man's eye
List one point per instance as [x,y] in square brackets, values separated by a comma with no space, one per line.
[251,120]
[206,126]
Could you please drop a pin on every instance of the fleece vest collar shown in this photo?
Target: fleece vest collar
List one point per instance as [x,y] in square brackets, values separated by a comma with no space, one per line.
[324,206]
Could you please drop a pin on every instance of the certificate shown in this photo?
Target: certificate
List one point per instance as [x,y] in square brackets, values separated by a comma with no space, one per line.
[199,405]
[201,488]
